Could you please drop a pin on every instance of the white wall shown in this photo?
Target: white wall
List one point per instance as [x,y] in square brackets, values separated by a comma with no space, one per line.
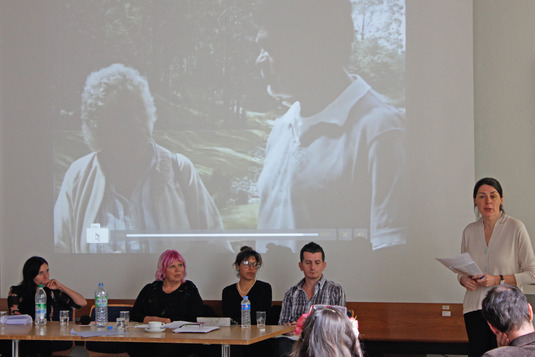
[500,95]
[504,77]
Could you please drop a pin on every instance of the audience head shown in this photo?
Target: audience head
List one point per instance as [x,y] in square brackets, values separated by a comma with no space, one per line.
[506,308]
[311,248]
[246,257]
[327,331]
[166,259]
[116,102]
[489,181]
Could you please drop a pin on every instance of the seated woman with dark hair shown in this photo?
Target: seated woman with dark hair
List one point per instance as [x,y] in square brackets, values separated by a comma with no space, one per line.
[327,331]
[169,298]
[21,300]
[247,264]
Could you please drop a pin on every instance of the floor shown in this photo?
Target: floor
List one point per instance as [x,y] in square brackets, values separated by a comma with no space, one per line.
[79,351]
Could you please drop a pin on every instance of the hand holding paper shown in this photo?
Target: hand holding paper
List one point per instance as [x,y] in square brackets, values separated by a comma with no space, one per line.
[462,264]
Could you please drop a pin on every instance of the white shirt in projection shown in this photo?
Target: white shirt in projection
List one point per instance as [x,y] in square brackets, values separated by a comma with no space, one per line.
[170,196]
[341,168]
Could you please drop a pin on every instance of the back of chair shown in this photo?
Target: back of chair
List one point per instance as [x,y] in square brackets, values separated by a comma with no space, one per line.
[62,348]
[56,310]
[114,311]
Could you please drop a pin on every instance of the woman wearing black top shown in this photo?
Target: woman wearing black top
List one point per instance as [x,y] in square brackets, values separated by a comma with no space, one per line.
[169,298]
[21,300]
[258,292]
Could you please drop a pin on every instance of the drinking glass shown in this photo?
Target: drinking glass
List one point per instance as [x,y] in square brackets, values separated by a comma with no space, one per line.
[126,316]
[64,317]
[120,324]
[261,319]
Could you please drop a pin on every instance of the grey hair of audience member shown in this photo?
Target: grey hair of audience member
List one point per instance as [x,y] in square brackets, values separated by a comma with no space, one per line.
[327,332]
[107,84]
[506,308]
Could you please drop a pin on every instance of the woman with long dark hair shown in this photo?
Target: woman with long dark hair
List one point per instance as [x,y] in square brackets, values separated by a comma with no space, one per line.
[21,299]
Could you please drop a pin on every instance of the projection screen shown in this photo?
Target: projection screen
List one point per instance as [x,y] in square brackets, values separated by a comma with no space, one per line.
[244,124]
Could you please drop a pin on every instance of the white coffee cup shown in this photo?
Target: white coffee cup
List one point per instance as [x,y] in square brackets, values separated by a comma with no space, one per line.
[155,325]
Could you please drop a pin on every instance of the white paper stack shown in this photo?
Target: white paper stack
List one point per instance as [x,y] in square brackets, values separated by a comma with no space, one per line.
[19,320]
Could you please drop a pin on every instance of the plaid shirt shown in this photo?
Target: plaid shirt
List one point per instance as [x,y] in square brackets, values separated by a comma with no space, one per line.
[296,301]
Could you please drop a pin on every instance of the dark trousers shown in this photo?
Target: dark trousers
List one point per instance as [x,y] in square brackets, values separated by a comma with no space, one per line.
[284,346]
[259,349]
[480,337]
[142,349]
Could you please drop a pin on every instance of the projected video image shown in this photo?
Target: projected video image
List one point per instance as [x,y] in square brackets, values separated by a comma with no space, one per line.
[210,122]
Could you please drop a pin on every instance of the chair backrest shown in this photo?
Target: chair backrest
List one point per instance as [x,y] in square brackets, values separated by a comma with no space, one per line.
[57,309]
[114,311]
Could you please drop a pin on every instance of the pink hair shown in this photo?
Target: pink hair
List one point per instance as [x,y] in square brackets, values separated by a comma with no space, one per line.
[168,257]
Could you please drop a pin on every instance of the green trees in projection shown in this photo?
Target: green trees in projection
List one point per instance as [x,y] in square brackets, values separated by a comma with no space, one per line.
[379,48]
[199,59]
[199,56]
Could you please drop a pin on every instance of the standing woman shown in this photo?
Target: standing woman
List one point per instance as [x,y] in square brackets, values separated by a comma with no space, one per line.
[21,299]
[501,247]
[246,264]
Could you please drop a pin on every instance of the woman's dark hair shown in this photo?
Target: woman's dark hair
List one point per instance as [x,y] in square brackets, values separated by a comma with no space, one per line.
[489,181]
[245,253]
[29,272]
[327,332]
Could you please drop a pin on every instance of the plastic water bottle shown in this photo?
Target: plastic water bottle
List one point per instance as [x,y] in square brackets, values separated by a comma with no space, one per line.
[101,306]
[245,312]
[40,306]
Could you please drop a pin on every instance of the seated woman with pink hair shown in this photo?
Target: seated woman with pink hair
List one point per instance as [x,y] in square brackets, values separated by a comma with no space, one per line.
[169,298]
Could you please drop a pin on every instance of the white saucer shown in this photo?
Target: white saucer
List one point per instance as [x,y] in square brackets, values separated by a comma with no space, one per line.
[159,330]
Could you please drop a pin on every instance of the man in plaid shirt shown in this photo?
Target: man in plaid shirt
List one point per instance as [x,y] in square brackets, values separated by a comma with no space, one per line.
[313,289]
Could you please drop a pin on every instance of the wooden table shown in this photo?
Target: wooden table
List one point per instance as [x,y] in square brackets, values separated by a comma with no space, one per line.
[224,336]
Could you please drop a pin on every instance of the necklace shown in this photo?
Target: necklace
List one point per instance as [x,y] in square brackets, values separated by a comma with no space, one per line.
[244,292]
